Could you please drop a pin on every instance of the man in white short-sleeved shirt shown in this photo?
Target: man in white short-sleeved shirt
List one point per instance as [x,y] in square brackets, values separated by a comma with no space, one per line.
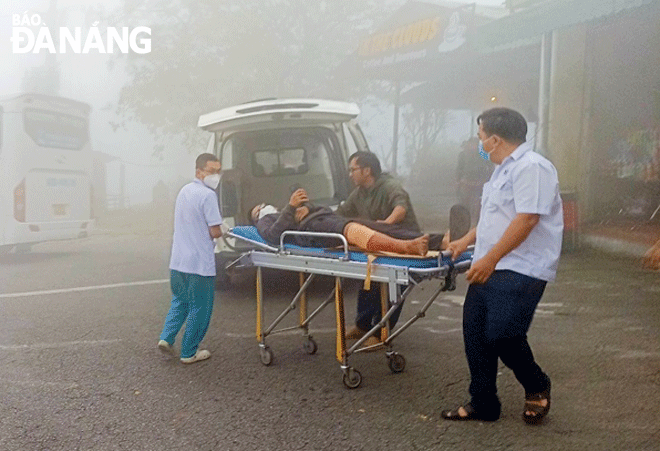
[192,264]
[518,242]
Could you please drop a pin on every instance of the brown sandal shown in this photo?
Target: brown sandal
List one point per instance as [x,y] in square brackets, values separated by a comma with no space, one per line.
[535,413]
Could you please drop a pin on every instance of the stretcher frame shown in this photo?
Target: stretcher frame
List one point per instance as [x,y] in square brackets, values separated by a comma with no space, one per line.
[338,265]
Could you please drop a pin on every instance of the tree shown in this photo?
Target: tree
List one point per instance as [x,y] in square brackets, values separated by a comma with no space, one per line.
[208,54]
[422,124]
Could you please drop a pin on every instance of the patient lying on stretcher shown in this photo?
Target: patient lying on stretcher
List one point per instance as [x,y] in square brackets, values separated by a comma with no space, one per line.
[369,235]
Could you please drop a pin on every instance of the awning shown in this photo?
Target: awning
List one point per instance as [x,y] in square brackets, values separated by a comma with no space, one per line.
[483,82]
[526,26]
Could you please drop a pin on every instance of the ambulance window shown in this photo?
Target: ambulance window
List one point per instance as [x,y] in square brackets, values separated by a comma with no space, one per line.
[278,162]
[227,157]
[350,141]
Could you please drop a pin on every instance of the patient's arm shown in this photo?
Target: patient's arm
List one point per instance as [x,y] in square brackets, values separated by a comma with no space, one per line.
[301,212]
[272,226]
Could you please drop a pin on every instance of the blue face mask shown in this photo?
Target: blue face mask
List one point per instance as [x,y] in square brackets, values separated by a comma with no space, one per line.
[482,153]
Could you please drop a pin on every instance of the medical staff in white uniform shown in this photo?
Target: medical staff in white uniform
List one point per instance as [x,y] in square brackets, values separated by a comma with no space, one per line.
[517,246]
[192,264]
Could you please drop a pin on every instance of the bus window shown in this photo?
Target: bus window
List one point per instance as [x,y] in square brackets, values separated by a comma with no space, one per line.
[56,130]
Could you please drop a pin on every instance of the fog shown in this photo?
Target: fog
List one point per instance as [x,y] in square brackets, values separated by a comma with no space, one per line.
[204,56]
[105,106]
[148,154]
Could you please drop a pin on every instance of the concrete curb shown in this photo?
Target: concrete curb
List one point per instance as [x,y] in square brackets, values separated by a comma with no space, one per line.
[614,246]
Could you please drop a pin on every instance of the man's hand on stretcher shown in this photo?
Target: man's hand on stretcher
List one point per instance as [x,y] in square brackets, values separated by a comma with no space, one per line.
[457,247]
[480,270]
[517,231]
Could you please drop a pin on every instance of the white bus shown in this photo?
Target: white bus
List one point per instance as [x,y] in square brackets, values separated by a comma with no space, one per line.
[45,170]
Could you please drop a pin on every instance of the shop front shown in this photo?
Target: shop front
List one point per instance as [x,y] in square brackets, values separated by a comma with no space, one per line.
[625,131]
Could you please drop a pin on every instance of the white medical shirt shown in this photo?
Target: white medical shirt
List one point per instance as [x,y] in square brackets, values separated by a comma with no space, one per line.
[195,211]
[525,182]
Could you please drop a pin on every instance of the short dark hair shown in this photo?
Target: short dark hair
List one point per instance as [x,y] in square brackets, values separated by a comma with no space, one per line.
[249,215]
[200,162]
[506,123]
[367,160]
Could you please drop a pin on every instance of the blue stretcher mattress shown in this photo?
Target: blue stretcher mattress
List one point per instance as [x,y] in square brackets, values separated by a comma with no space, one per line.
[250,234]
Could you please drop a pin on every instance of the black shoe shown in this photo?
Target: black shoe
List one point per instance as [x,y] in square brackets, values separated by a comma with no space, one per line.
[534,413]
[471,414]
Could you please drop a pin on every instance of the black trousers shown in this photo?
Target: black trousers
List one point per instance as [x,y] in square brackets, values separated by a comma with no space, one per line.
[496,318]
[369,309]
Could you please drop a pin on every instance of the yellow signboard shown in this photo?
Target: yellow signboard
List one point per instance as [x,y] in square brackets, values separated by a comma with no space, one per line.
[407,35]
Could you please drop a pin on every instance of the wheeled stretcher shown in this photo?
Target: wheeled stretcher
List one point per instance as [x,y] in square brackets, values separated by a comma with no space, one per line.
[390,270]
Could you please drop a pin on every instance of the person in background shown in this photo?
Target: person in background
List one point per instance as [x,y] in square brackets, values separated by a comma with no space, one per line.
[192,264]
[518,243]
[471,174]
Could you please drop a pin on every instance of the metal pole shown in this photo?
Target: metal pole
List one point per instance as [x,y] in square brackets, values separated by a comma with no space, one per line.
[395,132]
[122,180]
[541,142]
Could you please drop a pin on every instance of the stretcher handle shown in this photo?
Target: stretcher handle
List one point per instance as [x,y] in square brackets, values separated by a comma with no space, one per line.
[447,254]
[336,236]
[463,266]
[231,234]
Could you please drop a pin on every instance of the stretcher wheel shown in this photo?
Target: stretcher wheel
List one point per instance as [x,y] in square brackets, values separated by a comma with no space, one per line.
[310,346]
[352,379]
[396,363]
[266,355]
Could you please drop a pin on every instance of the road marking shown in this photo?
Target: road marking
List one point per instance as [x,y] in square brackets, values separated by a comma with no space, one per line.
[61,344]
[446,318]
[454,299]
[78,289]
[442,332]
[41,384]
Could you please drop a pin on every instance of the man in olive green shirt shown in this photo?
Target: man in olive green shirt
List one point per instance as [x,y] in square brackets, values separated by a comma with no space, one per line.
[377,196]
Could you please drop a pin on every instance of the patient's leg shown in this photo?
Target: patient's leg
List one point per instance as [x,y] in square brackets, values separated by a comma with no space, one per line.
[366,238]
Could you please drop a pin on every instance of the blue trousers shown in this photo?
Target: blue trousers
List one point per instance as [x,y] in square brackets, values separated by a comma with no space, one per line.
[192,304]
[369,309]
[496,318]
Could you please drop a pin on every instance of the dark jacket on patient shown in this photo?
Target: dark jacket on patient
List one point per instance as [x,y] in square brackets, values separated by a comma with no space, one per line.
[321,219]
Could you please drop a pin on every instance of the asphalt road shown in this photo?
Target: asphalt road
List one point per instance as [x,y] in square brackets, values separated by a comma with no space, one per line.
[79,368]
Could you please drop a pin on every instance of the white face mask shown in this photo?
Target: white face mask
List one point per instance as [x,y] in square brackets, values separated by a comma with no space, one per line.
[267,210]
[212,181]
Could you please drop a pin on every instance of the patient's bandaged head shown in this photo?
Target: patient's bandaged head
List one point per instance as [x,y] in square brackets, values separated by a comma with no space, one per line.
[267,210]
